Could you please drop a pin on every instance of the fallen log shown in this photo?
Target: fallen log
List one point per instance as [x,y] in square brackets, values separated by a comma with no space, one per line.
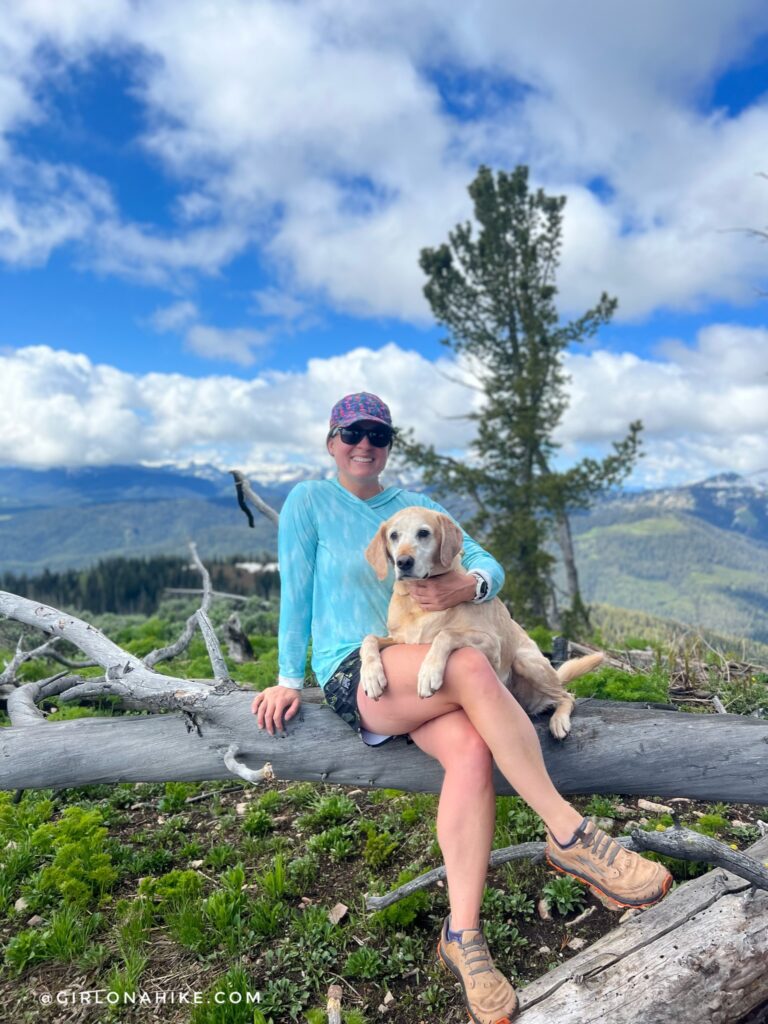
[613,748]
[699,955]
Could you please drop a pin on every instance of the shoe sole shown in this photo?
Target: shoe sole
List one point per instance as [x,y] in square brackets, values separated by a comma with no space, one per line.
[607,898]
[457,975]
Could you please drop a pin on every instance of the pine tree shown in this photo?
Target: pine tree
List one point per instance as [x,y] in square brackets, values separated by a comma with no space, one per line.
[493,287]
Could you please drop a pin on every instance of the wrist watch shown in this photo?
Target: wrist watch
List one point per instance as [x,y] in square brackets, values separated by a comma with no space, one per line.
[481,586]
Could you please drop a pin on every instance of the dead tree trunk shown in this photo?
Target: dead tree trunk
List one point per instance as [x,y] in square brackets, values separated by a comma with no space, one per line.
[612,748]
[700,955]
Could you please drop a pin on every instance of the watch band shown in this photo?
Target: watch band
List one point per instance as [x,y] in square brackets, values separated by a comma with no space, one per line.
[481,587]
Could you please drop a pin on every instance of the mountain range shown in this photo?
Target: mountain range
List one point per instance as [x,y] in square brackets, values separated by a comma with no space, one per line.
[697,554]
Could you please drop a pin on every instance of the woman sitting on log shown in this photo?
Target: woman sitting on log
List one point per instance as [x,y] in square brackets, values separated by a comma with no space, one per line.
[329,592]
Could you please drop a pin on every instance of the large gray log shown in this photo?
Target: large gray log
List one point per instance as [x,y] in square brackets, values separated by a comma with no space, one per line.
[612,749]
[699,956]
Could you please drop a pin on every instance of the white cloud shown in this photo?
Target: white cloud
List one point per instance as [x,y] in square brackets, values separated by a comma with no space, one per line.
[58,408]
[174,317]
[235,344]
[316,132]
[704,411]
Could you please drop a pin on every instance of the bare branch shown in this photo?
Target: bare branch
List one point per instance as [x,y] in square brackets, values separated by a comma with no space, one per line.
[220,671]
[244,489]
[264,774]
[192,592]
[8,675]
[174,649]
[673,842]
[22,702]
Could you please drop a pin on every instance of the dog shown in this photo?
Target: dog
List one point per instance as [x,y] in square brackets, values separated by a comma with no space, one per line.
[422,543]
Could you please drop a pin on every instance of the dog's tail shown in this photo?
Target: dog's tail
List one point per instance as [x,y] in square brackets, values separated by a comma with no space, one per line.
[576,667]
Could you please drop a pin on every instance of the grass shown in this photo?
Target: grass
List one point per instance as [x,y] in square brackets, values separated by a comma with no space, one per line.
[238,914]
[126,886]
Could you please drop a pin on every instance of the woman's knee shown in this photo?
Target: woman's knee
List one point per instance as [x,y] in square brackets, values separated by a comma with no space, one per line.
[469,754]
[468,667]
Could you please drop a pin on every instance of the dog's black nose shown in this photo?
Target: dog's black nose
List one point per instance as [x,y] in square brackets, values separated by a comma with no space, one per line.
[405,564]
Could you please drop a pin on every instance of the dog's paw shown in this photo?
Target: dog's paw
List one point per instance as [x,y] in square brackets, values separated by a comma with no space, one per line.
[429,681]
[373,681]
[560,725]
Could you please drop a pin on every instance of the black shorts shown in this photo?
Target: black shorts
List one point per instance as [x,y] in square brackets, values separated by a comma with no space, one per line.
[340,693]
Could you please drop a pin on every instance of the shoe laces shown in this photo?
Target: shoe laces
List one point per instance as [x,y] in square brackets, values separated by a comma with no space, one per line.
[600,842]
[476,955]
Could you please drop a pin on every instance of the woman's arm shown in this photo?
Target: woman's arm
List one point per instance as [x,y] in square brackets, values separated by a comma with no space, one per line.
[296,551]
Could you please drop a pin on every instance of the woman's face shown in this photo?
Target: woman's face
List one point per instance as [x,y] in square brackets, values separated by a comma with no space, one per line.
[359,464]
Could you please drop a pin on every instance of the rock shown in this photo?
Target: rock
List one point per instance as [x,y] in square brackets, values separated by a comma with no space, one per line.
[196,864]
[20,905]
[544,950]
[606,824]
[542,908]
[576,943]
[241,808]
[337,913]
[34,921]
[388,998]
[649,805]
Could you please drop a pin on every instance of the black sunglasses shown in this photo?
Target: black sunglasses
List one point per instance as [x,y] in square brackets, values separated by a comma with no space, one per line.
[379,437]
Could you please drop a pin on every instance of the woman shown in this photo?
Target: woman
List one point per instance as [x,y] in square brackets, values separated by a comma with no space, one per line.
[329,592]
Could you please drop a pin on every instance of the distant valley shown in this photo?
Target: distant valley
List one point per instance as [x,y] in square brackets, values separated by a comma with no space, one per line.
[695,554]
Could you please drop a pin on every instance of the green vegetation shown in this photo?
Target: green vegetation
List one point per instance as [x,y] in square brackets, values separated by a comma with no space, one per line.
[112,884]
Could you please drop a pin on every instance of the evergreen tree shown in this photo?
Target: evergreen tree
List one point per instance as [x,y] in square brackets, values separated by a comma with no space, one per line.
[494,289]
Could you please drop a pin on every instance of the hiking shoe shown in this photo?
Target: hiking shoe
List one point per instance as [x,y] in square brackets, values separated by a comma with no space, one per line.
[618,877]
[489,997]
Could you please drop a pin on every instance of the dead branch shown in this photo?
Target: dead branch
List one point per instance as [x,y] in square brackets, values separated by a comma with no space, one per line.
[8,675]
[675,841]
[244,490]
[174,649]
[193,592]
[220,671]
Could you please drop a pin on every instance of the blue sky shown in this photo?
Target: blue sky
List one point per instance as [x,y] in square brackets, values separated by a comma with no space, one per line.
[210,219]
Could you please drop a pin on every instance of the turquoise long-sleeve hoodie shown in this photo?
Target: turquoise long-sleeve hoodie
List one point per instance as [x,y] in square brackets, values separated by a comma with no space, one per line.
[329,592]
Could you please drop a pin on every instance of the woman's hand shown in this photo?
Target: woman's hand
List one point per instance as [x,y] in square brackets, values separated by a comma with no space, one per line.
[275,705]
[440,592]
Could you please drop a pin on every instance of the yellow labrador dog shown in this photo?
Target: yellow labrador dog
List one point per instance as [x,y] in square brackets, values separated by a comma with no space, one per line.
[419,543]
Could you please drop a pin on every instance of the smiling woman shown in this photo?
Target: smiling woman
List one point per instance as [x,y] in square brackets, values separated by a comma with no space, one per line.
[329,592]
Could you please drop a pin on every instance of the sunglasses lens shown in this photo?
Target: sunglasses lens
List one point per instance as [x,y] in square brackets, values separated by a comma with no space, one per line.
[379,437]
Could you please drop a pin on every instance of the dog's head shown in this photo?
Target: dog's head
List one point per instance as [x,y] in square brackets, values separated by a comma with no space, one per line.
[417,541]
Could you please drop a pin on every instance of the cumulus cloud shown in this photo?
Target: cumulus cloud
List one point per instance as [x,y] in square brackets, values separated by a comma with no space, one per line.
[234,344]
[59,408]
[705,408]
[339,138]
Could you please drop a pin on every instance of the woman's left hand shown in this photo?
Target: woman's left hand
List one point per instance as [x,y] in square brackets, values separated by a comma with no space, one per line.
[440,592]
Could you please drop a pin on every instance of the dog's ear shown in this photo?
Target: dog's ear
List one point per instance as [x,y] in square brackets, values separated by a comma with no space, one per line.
[377,554]
[451,541]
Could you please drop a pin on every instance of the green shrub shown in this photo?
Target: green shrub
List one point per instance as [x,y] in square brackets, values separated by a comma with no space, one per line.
[564,893]
[379,847]
[402,914]
[81,870]
[258,822]
[615,684]
[329,810]
[365,963]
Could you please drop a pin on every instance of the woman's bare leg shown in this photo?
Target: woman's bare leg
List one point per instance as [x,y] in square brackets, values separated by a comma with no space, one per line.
[465,839]
[470,684]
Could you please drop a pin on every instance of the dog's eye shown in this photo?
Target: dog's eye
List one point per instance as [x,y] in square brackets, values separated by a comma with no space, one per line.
[394,535]
[422,534]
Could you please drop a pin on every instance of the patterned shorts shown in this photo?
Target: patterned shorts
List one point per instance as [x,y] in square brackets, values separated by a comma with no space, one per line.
[340,693]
